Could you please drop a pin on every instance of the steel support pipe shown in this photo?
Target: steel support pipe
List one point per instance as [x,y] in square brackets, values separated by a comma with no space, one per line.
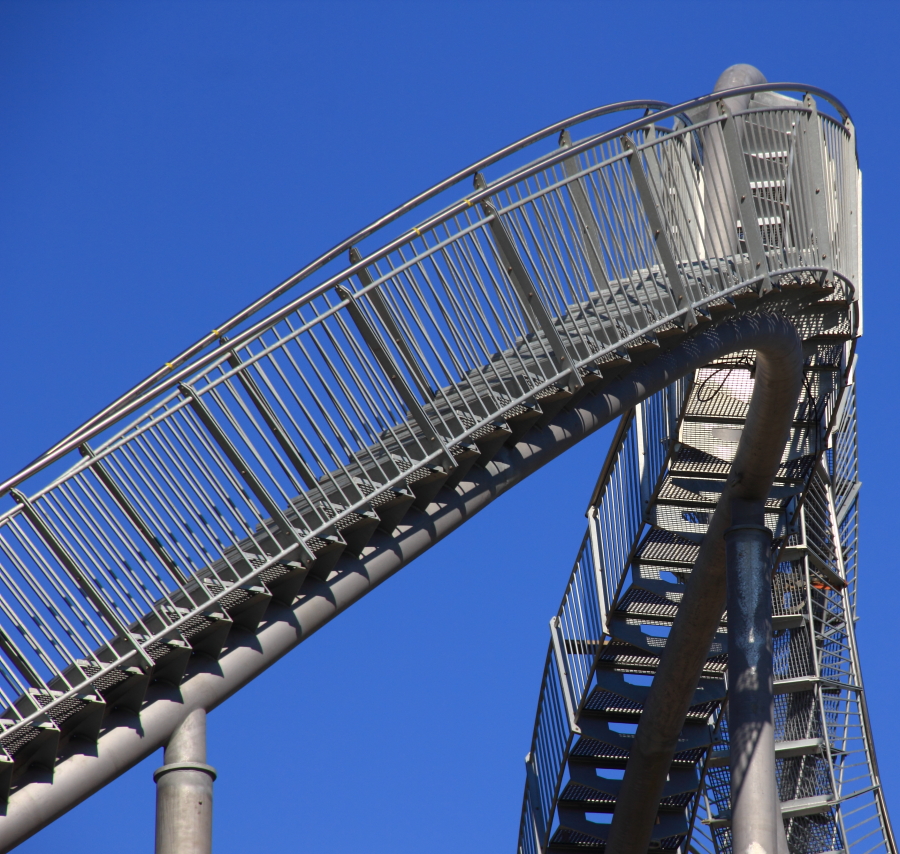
[129,738]
[184,791]
[754,800]
[779,378]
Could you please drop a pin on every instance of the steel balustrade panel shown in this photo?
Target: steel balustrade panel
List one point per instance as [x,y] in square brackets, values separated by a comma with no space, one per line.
[550,742]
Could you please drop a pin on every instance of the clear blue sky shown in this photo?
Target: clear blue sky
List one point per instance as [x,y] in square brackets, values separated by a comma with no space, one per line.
[163,163]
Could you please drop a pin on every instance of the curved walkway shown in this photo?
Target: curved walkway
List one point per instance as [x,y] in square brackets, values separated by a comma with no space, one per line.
[258,486]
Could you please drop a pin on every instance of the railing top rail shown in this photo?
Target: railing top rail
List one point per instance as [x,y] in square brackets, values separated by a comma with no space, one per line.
[181,367]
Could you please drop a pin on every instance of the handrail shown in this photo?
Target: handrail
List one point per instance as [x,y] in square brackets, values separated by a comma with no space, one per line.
[512,342]
[208,683]
[163,378]
[209,488]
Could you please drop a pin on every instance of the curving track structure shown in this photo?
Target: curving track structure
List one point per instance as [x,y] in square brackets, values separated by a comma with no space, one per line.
[693,270]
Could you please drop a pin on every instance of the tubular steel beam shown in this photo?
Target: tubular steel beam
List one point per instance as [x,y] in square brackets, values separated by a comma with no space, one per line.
[755,807]
[129,738]
[184,791]
[779,377]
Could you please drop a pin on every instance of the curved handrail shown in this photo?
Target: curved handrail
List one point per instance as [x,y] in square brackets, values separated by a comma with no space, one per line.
[164,378]
[531,362]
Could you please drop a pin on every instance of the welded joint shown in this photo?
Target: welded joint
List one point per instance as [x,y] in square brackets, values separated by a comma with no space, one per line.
[185,766]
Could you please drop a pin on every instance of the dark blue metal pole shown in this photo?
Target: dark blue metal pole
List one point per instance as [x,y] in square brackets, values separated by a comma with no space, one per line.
[754,800]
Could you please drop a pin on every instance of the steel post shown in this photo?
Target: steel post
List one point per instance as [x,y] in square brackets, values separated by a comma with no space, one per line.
[184,791]
[748,563]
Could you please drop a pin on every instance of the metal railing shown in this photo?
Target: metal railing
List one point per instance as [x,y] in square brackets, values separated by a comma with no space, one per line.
[635,464]
[833,797]
[257,452]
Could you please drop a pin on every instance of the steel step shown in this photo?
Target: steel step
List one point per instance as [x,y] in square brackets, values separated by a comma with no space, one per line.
[667,824]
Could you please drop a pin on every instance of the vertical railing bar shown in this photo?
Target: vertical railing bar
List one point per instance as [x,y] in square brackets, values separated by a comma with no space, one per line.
[236,482]
[589,230]
[121,500]
[659,229]
[216,395]
[115,525]
[46,601]
[77,537]
[131,458]
[247,474]
[433,441]
[271,419]
[95,597]
[108,532]
[813,141]
[384,315]
[526,290]
[167,446]
[559,652]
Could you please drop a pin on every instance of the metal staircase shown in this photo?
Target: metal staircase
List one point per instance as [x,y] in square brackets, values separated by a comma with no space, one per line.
[197,529]
[665,471]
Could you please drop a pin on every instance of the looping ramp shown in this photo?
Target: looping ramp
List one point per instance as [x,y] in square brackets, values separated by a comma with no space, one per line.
[254,487]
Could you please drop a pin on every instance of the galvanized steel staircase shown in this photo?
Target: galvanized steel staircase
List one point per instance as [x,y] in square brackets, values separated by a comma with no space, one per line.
[665,472]
[288,462]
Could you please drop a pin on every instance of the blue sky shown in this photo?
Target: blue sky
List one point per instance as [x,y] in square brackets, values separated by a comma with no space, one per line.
[162,164]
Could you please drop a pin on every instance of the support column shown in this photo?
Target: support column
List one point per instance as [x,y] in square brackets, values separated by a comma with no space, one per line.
[184,789]
[754,799]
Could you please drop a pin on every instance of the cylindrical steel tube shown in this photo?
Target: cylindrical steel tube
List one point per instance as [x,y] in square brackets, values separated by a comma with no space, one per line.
[748,567]
[184,790]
